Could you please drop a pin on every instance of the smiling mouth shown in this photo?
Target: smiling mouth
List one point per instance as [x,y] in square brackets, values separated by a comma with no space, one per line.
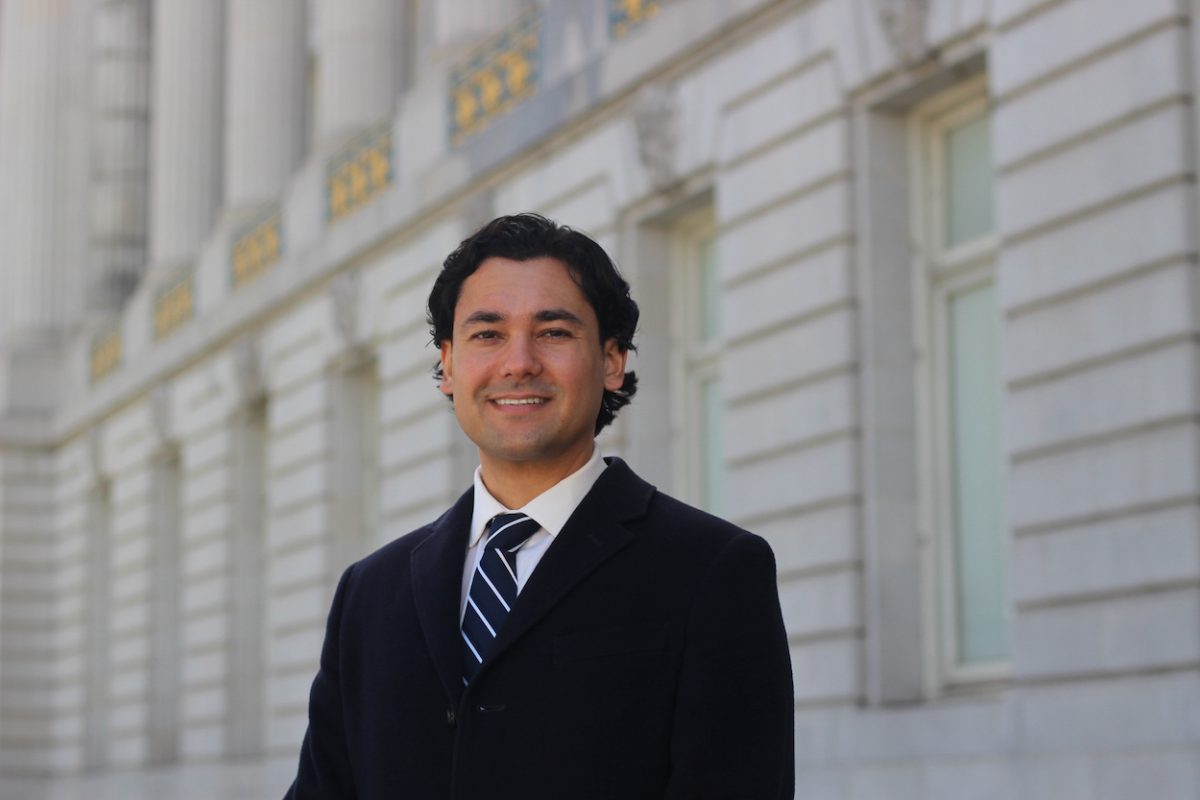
[523,401]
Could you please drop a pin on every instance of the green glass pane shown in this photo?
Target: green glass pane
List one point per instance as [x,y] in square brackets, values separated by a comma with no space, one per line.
[969,181]
[709,288]
[713,452]
[980,542]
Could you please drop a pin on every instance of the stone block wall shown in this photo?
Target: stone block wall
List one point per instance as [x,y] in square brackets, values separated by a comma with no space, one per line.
[166,566]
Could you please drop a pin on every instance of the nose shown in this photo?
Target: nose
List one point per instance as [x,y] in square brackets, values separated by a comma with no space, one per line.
[520,358]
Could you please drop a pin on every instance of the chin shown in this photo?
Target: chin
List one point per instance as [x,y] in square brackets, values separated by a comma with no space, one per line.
[526,452]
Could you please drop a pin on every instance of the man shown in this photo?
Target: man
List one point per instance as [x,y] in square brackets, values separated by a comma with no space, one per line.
[564,630]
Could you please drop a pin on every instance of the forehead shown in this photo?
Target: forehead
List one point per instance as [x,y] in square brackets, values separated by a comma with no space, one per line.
[519,288]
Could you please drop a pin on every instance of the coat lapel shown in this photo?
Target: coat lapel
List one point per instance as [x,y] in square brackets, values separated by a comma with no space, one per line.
[592,535]
[437,568]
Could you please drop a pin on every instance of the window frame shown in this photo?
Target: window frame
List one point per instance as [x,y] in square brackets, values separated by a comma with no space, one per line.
[695,361]
[939,273]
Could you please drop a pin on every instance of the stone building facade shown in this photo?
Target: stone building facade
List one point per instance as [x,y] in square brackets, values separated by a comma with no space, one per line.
[919,295]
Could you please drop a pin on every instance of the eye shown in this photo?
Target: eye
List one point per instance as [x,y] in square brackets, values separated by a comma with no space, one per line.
[485,334]
[556,333]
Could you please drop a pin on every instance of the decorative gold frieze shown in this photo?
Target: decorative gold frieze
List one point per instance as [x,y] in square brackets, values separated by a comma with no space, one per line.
[357,174]
[257,248]
[495,78]
[105,355]
[625,15]
[173,307]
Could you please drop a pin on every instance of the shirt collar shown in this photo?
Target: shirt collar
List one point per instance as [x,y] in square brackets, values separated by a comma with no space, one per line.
[552,508]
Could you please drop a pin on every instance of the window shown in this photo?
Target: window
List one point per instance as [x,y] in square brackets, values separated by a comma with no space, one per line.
[698,405]
[99,543]
[355,468]
[244,734]
[961,504]
[163,714]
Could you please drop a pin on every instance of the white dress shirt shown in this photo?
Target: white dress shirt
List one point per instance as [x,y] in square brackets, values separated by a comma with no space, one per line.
[552,508]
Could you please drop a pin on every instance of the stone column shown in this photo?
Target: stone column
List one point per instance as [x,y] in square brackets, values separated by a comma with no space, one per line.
[33,288]
[360,64]
[264,96]
[120,82]
[185,140]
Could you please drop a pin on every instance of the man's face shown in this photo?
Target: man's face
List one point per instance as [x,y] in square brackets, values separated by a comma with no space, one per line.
[526,366]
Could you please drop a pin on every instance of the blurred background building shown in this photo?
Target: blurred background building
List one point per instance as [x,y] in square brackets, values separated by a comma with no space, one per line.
[920,306]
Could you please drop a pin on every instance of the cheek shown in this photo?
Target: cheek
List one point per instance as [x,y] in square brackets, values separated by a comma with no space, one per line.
[473,373]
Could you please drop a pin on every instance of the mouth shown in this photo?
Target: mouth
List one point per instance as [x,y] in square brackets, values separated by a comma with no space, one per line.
[519,401]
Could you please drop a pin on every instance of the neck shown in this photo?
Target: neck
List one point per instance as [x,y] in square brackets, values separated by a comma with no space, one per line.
[515,483]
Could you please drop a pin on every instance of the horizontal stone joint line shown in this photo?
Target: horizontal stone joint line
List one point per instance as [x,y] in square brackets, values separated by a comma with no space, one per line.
[1034,11]
[841,176]
[1125,120]
[848,634]
[1087,441]
[827,703]
[311,499]
[774,390]
[423,277]
[1009,238]
[785,137]
[1095,676]
[432,507]
[1176,20]
[792,448]
[413,458]
[1066,524]
[758,90]
[1082,290]
[413,371]
[1105,359]
[316,419]
[794,321]
[597,180]
[824,570]
[787,259]
[1098,596]
[748,521]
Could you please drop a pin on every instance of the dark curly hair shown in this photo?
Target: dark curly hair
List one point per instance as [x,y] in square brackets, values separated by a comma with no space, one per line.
[522,237]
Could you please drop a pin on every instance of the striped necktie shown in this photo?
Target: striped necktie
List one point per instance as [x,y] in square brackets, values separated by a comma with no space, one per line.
[493,587]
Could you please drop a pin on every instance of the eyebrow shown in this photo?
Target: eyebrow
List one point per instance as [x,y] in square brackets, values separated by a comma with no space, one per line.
[558,315]
[485,317]
[545,315]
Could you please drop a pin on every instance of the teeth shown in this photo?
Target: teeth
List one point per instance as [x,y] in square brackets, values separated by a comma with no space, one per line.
[531,401]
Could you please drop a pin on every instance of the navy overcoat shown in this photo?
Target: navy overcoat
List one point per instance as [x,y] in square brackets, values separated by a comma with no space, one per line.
[644,658]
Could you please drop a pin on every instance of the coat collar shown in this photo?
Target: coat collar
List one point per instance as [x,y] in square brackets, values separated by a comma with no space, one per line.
[591,536]
[437,569]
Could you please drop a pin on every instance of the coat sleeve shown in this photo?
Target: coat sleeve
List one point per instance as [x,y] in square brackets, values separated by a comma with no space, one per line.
[324,772]
[733,730]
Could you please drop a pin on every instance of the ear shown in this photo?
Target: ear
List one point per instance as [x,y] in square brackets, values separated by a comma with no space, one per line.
[447,384]
[614,365]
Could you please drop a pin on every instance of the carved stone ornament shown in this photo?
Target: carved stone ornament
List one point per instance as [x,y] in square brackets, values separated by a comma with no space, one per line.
[160,417]
[479,209]
[247,372]
[903,23]
[352,350]
[343,297]
[94,464]
[656,122]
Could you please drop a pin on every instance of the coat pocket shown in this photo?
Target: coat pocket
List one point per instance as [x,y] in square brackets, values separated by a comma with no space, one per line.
[610,642]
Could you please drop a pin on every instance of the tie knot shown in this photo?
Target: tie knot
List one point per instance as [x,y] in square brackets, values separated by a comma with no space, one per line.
[509,531]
